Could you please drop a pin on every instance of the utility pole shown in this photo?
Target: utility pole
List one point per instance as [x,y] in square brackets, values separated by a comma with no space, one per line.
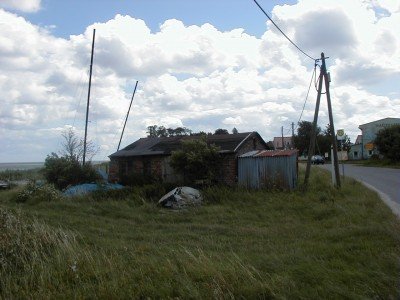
[283,145]
[323,77]
[127,114]
[88,99]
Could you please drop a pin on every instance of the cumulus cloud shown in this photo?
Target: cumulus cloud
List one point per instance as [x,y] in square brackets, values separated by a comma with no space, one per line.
[195,76]
[21,5]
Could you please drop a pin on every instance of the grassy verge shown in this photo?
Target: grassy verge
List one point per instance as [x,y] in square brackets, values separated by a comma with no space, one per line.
[13,175]
[322,243]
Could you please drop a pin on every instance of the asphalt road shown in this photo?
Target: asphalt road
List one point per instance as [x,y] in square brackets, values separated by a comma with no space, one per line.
[385,181]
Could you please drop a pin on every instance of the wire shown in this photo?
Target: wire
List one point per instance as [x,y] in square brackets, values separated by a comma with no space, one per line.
[308,92]
[298,48]
[317,81]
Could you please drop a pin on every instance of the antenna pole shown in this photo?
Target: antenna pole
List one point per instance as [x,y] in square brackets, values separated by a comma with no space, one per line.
[88,99]
[126,119]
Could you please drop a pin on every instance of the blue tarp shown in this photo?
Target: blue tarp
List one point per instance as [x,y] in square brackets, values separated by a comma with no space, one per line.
[86,188]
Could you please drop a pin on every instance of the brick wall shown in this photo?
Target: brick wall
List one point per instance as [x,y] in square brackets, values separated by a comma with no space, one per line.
[227,173]
[229,165]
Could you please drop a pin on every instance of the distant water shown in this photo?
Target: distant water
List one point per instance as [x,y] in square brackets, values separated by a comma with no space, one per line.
[29,165]
[21,166]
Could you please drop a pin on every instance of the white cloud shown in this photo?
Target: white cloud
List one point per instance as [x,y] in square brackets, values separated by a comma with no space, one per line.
[193,76]
[21,5]
[233,121]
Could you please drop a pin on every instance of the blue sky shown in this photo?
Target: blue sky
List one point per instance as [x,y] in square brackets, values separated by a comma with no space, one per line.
[200,64]
[73,16]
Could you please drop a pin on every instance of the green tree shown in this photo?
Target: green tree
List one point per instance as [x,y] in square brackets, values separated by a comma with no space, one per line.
[235,131]
[196,160]
[388,142]
[221,131]
[161,131]
[302,139]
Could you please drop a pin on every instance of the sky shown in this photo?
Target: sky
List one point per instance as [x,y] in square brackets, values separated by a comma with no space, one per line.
[200,64]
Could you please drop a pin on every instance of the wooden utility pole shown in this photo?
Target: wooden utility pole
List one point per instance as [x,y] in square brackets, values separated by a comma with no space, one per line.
[88,100]
[323,77]
[126,119]
[283,144]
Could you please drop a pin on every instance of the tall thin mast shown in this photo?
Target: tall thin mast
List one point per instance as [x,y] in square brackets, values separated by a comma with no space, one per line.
[126,119]
[88,99]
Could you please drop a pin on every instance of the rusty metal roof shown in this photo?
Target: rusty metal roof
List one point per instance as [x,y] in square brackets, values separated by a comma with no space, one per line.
[270,153]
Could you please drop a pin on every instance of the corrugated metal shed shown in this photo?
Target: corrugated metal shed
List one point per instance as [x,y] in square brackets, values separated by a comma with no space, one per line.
[268,169]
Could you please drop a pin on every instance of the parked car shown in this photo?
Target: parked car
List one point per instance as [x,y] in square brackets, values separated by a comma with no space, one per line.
[317,159]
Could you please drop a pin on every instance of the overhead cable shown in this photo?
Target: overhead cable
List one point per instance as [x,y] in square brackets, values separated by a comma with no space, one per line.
[298,48]
[305,101]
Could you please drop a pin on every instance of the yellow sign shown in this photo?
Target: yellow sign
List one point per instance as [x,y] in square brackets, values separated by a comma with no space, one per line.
[369,146]
[340,134]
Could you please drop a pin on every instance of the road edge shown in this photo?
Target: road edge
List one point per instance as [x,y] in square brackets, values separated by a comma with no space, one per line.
[394,206]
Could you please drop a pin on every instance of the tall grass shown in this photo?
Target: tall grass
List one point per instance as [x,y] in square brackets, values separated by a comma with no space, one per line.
[320,243]
[13,175]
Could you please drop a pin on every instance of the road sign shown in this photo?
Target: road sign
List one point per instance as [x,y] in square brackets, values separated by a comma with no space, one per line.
[340,134]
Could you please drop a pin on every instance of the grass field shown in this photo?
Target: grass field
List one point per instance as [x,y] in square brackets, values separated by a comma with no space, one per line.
[318,244]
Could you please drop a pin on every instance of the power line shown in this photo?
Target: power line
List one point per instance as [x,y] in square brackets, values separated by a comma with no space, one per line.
[308,92]
[298,48]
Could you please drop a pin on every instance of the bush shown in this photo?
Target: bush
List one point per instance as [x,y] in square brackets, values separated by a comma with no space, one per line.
[34,193]
[64,171]
[197,160]
[388,142]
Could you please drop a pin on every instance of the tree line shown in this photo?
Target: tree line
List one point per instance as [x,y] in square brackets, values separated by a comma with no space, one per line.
[161,131]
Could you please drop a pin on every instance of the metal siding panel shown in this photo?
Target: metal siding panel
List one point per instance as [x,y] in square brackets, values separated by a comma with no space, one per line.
[268,171]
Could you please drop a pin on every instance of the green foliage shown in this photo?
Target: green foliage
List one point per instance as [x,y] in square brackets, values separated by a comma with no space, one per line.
[388,142]
[197,160]
[111,195]
[302,139]
[33,174]
[38,193]
[221,131]
[323,140]
[161,131]
[323,243]
[64,171]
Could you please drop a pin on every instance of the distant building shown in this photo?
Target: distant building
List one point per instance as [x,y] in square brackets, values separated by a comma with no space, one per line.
[287,143]
[364,146]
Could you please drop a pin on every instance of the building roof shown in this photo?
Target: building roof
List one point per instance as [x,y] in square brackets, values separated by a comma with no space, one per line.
[270,153]
[380,121]
[228,143]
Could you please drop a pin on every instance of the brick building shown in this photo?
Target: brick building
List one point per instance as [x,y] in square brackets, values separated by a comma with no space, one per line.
[287,143]
[151,156]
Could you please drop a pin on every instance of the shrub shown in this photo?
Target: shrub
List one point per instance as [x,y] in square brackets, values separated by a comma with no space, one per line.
[64,171]
[197,160]
[34,193]
[388,142]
